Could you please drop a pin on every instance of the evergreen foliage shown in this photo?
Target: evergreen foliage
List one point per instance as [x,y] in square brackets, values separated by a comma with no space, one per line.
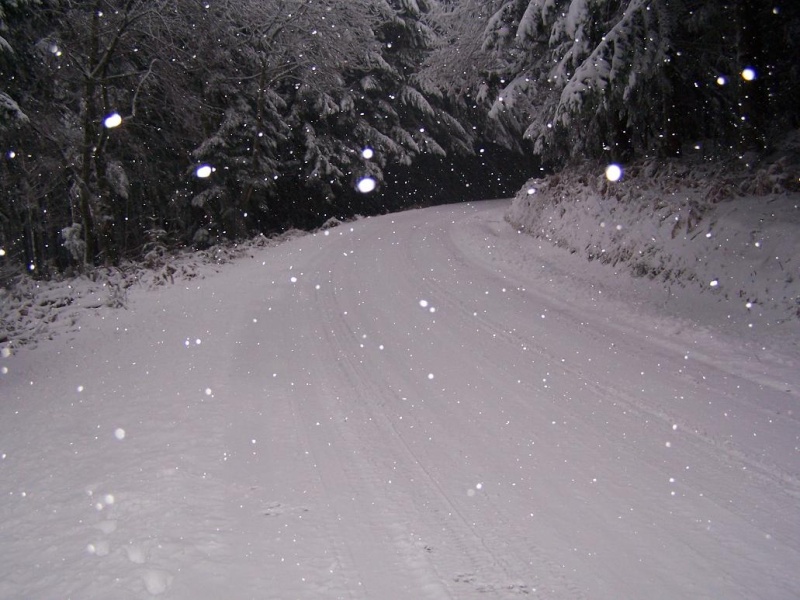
[617,79]
[277,97]
[273,102]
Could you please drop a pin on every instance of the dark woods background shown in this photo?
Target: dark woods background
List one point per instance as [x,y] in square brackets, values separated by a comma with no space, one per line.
[458,99]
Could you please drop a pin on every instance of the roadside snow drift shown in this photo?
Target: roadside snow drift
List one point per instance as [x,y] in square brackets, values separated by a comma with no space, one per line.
[680,224]
[422,405]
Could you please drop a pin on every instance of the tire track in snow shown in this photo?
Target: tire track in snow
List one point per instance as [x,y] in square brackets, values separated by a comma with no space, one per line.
[440,287]
[360,520]
[768,472]
[715,459]
[760,466]
[488,570]
[468,544]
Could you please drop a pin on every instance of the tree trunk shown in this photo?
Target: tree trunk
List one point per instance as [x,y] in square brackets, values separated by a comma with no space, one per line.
[90,118]
[752,99]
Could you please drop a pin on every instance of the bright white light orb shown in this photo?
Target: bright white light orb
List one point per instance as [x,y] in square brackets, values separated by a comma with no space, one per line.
[119,433]
[366,185]
[721,80]
[112,120]
[613,172]
[367,153]
[204,171]
[2,252]
[749,74]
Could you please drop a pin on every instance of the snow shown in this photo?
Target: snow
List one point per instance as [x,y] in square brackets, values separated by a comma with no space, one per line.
[297,423]
[683,228]
[204,171]
[113,120]
[366,185]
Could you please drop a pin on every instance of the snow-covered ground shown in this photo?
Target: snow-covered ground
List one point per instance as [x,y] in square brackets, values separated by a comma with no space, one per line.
[421,405]
[728,232]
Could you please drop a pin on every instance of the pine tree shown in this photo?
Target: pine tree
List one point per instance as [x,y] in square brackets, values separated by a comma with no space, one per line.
[601,78]
[11,114]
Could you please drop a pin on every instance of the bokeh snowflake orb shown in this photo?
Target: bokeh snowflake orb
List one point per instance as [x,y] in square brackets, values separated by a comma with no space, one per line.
[613,172]
[204,171]
[366,185]
[748,74]
[112,120]
[367,153]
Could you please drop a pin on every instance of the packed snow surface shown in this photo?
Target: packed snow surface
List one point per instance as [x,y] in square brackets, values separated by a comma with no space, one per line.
[422,405]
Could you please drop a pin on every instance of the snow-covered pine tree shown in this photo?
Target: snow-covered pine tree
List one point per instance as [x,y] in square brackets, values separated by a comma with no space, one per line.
[245,56]
[78,71]
[570,70]
[11,114]
[423,110]
[638,77]
[265,59]
[328,113]
[378,98]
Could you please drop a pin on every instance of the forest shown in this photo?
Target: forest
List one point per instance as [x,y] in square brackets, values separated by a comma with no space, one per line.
[132,127]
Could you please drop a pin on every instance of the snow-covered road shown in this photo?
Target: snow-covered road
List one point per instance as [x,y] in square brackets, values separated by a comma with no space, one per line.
[422,405]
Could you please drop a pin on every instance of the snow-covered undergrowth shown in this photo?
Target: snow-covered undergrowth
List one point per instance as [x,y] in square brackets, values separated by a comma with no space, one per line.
[729,233]
[31,309]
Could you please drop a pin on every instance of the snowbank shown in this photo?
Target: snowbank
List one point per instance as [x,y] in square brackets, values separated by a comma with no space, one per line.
[733,235]
[31,309]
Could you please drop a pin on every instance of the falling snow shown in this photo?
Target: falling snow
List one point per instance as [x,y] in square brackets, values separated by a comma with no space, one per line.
[613,172]
[113,120]
[204,171]
[366,185]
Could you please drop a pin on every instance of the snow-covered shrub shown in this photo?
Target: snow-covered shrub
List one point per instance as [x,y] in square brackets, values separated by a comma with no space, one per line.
[118,179]
[72,240]
[155,248]
[201,238]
